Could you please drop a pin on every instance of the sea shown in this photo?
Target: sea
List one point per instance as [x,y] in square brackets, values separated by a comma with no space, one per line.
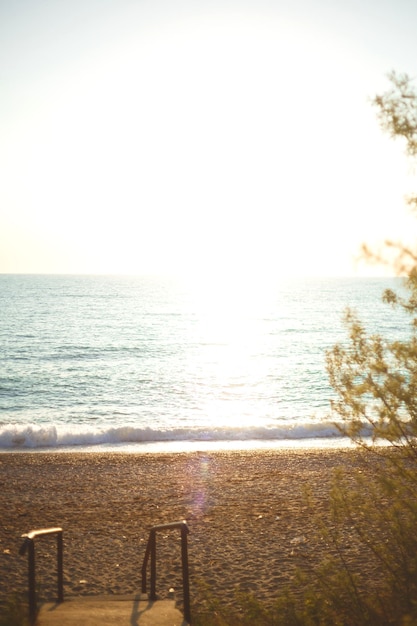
[149,364]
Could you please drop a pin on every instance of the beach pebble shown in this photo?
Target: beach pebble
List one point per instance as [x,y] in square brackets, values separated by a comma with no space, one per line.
[298,540]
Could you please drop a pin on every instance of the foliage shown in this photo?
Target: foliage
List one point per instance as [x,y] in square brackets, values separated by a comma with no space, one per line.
[14,612]
[375,378]
[397,111]
[375,382]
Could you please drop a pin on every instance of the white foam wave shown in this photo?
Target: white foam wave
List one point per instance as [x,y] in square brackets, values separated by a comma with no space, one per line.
[31,436]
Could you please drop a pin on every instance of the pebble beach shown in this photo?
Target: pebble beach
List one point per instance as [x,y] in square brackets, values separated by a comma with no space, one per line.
[251,524]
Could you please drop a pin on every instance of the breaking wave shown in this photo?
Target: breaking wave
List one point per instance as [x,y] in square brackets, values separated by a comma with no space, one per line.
[33,436]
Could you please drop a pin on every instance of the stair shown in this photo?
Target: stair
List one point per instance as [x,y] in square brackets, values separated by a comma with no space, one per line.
[111,611]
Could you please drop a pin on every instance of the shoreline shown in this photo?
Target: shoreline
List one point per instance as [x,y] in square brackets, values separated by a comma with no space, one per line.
[194,446]
[249,521]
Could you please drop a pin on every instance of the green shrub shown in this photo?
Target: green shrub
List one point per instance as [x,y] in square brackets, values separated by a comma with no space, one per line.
[14,612]
[375,381]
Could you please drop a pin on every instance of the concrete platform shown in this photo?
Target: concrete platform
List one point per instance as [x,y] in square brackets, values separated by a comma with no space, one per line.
[111,611]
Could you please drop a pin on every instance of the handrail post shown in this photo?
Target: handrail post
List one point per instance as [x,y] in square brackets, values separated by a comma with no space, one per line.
[31,580]
[185,573]
[60,551]
[153,565]
[29,545]
[151,552]
[144,567]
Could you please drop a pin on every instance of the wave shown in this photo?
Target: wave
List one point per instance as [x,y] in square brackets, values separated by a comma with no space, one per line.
[31,436]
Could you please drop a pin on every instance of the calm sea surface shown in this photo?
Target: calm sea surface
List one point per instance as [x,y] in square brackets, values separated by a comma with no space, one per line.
[135,363]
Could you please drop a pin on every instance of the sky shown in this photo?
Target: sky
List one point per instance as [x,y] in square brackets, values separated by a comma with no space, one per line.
[205,138]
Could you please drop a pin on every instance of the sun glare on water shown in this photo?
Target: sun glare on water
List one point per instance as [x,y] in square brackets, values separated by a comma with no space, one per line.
[230,332]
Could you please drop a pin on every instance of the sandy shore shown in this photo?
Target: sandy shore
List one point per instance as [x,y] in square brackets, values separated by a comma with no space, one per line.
[249,522]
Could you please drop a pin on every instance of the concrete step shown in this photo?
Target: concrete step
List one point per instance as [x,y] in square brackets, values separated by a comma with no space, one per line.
[111,611]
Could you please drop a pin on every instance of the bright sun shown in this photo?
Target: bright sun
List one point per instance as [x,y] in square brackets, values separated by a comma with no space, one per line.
[203,147]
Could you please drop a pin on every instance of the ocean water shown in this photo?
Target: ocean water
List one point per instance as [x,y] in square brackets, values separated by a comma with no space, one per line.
[141,363]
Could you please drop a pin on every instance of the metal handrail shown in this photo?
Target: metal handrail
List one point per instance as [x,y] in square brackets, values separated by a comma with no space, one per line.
[29,544]
[151,552]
